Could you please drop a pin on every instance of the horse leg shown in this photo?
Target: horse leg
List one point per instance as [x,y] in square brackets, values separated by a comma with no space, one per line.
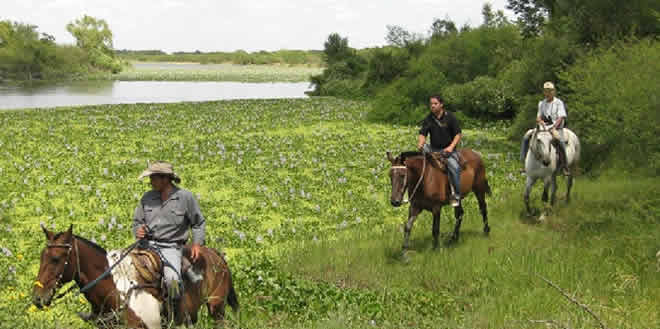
[569,185]
[412,215]
[436,227]
[528,189]
[458,213]
[546,184]
[553,192]
[483,208]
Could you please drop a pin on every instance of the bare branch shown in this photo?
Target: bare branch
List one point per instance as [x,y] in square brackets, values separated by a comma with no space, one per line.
[550,322]
[576,302]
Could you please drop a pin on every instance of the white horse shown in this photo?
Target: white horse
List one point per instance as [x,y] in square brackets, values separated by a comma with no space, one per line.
[542,161]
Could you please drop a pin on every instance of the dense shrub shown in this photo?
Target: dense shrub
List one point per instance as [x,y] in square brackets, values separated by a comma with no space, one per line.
[483,97]
[614,105]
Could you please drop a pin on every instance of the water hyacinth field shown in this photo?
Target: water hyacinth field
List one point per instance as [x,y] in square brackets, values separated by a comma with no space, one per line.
[296,193]
[216,72]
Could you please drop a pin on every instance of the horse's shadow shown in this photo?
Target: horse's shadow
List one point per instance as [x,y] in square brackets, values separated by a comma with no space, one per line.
[425,245]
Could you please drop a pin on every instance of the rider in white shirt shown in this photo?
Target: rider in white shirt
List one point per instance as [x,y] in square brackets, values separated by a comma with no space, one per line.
[551,112]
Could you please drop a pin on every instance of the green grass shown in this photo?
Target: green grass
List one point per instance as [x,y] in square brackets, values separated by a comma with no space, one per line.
[296,192]
[216,72]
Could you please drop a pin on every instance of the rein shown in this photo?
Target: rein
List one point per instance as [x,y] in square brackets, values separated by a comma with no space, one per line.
[405,179]
[534,142]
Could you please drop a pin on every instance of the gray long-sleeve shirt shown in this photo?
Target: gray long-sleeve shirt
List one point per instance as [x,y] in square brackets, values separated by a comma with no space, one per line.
[169,220]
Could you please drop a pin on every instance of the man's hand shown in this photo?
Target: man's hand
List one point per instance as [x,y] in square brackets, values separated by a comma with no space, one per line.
[448,149]
[195,251]
[141,232]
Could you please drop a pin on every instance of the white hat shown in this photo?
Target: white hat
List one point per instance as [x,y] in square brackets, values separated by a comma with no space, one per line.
[548,85]
[160,167]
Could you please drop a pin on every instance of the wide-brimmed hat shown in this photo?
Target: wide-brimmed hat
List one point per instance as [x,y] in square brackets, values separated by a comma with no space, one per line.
[160,167]
[548,85]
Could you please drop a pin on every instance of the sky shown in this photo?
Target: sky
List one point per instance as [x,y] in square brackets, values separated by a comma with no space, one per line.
[221,25]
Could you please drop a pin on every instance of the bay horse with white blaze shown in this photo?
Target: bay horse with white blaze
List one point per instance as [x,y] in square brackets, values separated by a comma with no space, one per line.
[542,161]
[428,188]
[123,294]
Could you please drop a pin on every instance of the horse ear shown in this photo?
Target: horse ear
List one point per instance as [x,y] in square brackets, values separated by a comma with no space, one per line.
[69,233]
[49,234]
[389,157]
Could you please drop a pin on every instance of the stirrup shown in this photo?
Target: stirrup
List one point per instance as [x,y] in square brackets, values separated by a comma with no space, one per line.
[193,276]
[455,200]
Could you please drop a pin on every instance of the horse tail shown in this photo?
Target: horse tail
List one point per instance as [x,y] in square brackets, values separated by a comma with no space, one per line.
[488,191]
[232,298]
[480,174]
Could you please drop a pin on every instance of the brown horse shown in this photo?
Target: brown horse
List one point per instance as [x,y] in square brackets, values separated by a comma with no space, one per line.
[428,188]
[118,296]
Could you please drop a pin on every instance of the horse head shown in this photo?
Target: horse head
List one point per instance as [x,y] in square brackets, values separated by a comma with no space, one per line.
[398,179]
[541,144]
[54,269]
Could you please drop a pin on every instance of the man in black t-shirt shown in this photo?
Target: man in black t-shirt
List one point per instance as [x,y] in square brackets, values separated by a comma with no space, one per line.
[445,134]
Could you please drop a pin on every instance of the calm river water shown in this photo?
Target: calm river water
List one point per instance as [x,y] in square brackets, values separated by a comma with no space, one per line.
[127,92]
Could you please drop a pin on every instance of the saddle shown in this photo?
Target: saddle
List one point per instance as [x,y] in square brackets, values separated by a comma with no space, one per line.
[149,267]
[438,160]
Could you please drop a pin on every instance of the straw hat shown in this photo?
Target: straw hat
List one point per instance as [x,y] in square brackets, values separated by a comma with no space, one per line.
[160,167]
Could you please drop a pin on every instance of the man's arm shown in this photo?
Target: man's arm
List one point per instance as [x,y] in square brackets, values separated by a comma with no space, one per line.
[454,142]
[198,227]
[138,221]
[421,140]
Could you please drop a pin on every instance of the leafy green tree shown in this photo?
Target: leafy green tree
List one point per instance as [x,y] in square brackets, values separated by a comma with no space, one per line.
[94,36]
[442,28]
[532,15]
[493,19]
[590,21]
[336,49]
[23,54]
[92,33]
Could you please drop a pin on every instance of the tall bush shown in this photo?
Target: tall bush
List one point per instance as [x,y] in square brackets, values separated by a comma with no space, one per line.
[614,105]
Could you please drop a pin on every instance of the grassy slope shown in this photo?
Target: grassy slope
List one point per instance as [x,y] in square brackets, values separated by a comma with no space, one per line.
[295,191]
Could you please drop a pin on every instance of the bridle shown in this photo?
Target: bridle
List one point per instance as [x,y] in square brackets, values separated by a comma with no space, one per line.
[533,148]
[405,179]
[58,281]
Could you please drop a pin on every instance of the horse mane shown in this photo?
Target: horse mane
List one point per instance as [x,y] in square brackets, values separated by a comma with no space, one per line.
[409,154]
[91,244]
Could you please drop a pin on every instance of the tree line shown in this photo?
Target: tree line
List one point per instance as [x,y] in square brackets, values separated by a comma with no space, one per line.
[27,54]
[241,57]
[603,56]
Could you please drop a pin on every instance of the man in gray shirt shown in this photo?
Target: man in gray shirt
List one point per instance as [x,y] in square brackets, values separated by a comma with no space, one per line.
[163,216]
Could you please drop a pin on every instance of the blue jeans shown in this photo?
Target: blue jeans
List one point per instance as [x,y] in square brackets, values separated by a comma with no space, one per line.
[453,168]
[524,147]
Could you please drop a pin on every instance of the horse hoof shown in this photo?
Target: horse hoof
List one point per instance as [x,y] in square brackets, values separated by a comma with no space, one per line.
[487,230]
[404,257]
[86,316]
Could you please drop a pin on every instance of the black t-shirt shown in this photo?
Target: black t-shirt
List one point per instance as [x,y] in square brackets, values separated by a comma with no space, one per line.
[441,135]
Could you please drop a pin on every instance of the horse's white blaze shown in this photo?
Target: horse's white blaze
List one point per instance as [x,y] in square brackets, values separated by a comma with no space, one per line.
[143,304]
